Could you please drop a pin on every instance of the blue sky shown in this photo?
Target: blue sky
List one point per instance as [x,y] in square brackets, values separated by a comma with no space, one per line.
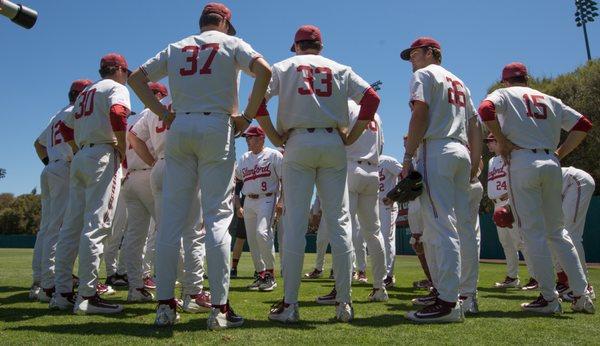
[478,38]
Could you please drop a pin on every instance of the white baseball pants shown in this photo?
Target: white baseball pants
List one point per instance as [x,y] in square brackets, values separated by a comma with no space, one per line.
[387,218]
[258,216]
[95,181]
[511,251]
[445,166]
[140,209]
[55,183]
[575,204]
[149,247]
[113,260]
[470,241]
[315,158]
[363,191]
[199,151]
[535,183]
[322,243]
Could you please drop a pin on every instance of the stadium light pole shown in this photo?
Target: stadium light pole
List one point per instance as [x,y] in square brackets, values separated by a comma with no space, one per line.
[586,12]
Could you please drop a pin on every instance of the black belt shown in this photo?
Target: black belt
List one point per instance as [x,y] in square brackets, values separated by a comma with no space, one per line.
[360,162]
[205,113]
[91,145]
[257,196]
[547,151]
[312,129]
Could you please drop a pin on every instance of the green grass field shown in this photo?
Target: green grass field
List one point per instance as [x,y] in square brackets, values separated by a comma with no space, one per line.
[499,322]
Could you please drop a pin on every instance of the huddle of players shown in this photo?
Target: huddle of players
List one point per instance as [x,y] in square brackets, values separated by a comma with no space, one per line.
[313,123]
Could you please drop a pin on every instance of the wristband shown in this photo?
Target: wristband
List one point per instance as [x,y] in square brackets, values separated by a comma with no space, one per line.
[246,118]
[45,161]
[408,157]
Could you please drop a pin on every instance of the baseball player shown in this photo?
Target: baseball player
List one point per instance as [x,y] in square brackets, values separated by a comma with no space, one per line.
[99,121]
[363,189]
[389,171]
[577,190]
[313,113]
[238,228]
[203,73]
[140,205]
[56,154]
[116,273]
[151,132]
[148,262]
[442,116]
[526,124]
[322,242]
[260,171]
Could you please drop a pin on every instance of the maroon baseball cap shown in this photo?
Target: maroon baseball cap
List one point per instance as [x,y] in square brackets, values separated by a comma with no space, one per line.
[514,69]
[307,33]
[420,43]
[503,217]
[114,59]
[489,138]
[158,87]
[221,10]
[254,131]
[80,84]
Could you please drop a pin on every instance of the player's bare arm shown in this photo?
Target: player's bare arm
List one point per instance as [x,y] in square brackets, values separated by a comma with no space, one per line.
[475,145]
[505,147]
[574,138]
[417,127]
[138,81]
[262,72]
[120,144]
[141,149]
[41,151]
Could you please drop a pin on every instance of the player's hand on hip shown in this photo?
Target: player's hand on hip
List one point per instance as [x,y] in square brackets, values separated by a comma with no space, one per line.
[407,167]
[240,212]
[506,147]
[240,123]
[168,120]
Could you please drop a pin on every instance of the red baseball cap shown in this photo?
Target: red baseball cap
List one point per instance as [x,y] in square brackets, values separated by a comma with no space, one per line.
[514,69]
[254,131]
[80,84]
[503,217]
[489,138]
[114,59]
[307,33]
[420,43]
[221,10]
[158,87]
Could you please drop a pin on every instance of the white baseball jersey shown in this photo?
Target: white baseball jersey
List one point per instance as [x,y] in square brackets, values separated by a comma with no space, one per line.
[389,171]
[90,118]
[134,162]
[150,128]
[190,63]
[368,146]
[52,139]
[497,181]
[573,178]
[313,92]
[450,112]
[260,173]
[531,119]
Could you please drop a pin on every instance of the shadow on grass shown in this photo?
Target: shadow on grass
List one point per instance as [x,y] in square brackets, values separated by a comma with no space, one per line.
[22,297]
[516,314]
[23,314]
[521,297]
[7,289]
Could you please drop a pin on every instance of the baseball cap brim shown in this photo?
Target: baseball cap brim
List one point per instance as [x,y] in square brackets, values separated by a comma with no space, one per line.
[405,55]
[231,30]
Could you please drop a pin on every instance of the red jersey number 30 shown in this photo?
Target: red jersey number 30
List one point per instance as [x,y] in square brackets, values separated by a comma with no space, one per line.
[86,105]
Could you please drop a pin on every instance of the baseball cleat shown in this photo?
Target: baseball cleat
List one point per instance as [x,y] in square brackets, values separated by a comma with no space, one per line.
[139,295]
[254,286]
[354,276]
[103,289]
[362,277]
[543,306]
[34,291]
[331,274]
[223,317]
[508,283]
[284,313]
[117,280]
[567,297]
[197,302]
[439,312]
[427,300]
[62,301]
[344,312]
[583,304]
[149,283]
[328,299]
[378,295]
[422,284]
[531,285]
[46,295]
[95,305]
[267,283]
[591,292]
[166,313]
[315,274]
[469,304]
[562,288]
[389,281]
[233,273]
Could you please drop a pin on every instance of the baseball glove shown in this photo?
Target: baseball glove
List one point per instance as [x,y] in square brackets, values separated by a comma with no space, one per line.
[503,217]
[407,189]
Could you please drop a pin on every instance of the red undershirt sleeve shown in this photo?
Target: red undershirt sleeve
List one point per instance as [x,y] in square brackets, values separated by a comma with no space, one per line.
[368,105]
[118,117]
[584,124]
[487,110]
[262,109]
